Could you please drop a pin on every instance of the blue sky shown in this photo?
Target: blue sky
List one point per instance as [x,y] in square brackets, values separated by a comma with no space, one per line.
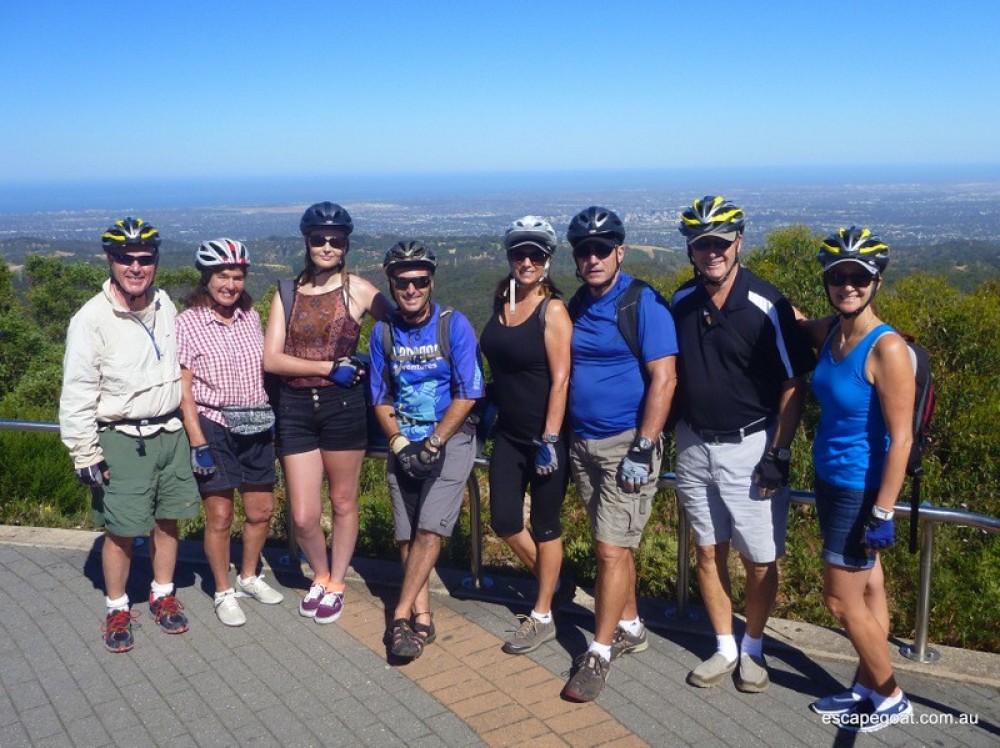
[115,90]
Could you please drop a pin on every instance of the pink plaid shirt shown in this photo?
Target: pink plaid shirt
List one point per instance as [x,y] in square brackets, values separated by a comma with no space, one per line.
[227,361]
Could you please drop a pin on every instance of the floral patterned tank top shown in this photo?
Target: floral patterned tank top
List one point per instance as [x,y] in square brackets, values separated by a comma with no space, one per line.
[321,329]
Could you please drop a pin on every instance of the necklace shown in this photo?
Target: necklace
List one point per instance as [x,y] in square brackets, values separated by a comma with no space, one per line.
[844,340]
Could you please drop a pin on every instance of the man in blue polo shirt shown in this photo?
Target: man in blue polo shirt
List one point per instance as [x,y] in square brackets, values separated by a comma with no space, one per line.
[425,379]
[618,403]
[741,370]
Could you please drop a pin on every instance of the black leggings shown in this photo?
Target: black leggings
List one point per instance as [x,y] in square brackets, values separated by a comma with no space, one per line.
[512,470]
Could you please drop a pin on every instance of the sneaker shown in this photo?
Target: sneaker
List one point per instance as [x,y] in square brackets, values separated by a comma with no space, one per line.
[331,605]
[117,630]
[168,612]
[623,643]
[838,703]
[589,679]
[311,601]
[752,676]
[258,589]
[864,718]
[711,672]
[227,608]
[530,635]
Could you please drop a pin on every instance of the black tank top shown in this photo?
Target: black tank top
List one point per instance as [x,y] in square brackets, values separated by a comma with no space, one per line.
[520,375]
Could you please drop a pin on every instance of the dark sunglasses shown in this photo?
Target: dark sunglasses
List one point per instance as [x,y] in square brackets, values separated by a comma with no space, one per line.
[712,244]
[337,242]
[858,280]
[585,251]
[420,282]
[121,258]
[537,257]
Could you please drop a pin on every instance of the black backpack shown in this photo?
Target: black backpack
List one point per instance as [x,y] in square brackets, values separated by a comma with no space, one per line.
[626,314]
[923,411]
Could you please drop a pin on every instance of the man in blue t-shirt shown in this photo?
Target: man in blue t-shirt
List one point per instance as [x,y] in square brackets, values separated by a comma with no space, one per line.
[618,403]
[742,373]
[423,386]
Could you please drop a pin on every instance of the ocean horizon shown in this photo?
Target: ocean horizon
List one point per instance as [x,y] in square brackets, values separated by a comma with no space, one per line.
[19,197]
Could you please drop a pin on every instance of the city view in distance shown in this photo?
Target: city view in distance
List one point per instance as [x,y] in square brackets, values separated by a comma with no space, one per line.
[902,212]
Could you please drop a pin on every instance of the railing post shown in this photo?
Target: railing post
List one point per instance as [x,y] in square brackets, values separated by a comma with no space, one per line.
[475,580]
[919,650]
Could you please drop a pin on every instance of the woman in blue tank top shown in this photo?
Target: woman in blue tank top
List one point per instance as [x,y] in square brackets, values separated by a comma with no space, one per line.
[527,343]
[864,382]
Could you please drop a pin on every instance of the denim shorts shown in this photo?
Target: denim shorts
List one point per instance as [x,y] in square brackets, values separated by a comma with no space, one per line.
[843,513]
[239,460]
[329,418]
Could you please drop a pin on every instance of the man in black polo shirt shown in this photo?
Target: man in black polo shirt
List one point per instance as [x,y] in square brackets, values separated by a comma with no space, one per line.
[741,371]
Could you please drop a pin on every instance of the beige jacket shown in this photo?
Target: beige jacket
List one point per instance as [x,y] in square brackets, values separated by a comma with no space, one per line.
[118,365]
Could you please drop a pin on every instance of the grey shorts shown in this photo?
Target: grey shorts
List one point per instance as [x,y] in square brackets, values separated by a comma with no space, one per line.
[715,487]
[433,504]
[617,518]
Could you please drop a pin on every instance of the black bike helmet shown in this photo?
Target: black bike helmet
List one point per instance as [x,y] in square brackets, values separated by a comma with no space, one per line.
[130,232]
[712,215]
[595,223]
[854,245]
[326,215]
[409,255]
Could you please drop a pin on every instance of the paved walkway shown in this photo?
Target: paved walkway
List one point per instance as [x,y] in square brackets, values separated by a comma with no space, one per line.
[283,680]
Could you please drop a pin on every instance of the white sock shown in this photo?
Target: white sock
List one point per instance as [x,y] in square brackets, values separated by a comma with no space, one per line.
[751,646]
[634,627]
[542,617]
[602,650]
[885,702]
[119,603]
[222,593]
[726,646]
[161,590]
[244,580]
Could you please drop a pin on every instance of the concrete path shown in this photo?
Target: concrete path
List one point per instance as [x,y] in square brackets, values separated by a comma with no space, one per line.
[283,680]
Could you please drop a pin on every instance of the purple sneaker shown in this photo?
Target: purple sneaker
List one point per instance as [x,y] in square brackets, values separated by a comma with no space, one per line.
[311,601]
[330,607]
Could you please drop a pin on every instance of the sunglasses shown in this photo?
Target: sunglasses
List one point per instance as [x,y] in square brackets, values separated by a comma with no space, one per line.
[712,244]
[537,257]
[586,251]
[858,280]
[337,242]
[122,258]
[420,282]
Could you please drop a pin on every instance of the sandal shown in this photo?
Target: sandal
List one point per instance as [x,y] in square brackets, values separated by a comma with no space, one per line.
[406,643]
[424,631]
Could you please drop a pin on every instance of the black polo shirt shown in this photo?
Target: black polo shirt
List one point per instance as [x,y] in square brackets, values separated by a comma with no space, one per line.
[730,377]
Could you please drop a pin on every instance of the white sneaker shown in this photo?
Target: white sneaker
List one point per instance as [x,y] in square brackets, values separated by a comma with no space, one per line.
[227,608]
[258,589]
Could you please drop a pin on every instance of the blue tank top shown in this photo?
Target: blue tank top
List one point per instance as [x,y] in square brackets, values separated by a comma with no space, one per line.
[852,439]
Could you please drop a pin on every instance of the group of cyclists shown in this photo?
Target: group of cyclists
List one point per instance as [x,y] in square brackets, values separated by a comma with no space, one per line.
[163,412]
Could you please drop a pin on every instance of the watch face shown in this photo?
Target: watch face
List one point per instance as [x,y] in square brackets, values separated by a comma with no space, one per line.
[645,443]
[435,441]
[784,455]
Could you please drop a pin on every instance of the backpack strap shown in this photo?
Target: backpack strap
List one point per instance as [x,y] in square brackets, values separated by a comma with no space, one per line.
[627,316]
[286,292]
[444,332]
[542,307]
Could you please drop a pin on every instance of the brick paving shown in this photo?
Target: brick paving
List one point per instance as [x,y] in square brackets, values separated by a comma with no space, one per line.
[283,680]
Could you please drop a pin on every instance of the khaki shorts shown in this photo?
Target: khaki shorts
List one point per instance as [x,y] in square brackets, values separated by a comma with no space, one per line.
[145,487]
[617,518]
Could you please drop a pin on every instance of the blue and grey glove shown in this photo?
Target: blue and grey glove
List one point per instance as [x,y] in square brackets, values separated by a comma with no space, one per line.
[880,533]
[202,462]
[346,372]
[771,473]
[546,459]
[633,473]
[93,475]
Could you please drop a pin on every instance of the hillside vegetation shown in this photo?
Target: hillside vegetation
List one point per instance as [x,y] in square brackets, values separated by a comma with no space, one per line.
[957,320]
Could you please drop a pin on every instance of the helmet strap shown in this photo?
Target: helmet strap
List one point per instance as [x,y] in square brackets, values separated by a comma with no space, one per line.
[859,310]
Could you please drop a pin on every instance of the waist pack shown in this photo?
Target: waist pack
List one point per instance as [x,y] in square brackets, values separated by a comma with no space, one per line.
[248,420]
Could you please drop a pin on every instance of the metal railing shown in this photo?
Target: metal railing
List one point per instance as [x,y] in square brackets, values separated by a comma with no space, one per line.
[929,517]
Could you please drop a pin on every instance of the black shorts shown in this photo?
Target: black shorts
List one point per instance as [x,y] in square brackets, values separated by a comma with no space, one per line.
[512,470]
[328,418]
[239,460]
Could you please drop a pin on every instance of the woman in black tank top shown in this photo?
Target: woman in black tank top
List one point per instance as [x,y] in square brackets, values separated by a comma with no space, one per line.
[527,343]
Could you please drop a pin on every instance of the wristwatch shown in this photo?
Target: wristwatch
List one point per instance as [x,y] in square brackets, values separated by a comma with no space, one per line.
[435,441]
[782,455]
[643,443]
[883,514]
[550,438]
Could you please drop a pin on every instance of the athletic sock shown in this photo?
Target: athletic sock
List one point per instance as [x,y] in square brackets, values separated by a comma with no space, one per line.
[633,627]
[542,617]
[885,702]
[602,650]
[119,603]
[751,646]
[222,593]
[726,646]
[161,590]
[339,588]
[862,692]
